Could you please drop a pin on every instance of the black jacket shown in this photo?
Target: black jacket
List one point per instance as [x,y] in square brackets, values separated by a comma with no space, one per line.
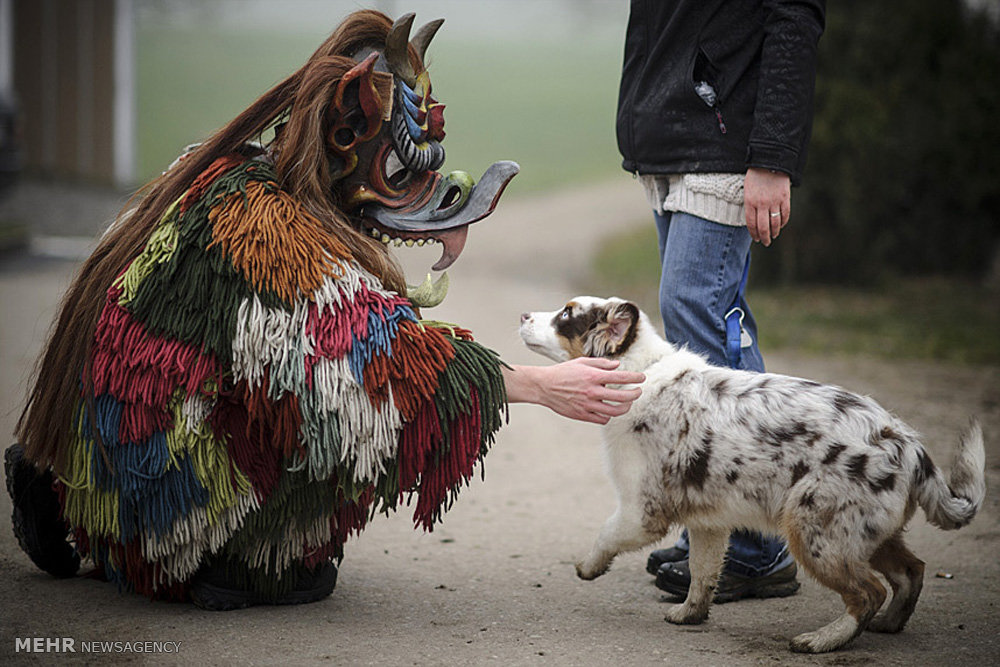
[759,58]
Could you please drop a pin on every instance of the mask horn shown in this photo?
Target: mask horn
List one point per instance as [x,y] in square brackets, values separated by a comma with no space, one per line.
[396,45]
[424,37]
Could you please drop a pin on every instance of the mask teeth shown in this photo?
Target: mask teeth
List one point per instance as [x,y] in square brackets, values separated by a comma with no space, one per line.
[386,239]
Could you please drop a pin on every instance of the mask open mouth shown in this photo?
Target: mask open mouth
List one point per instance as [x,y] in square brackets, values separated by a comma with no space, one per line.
[439,212]
[452,240]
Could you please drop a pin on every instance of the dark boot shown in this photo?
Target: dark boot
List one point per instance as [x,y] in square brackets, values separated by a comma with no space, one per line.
[215,589]
[37,520]
[675,578]
[661,557]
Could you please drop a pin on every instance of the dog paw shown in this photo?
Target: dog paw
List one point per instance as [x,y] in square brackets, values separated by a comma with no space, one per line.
[807,642]
[589,573]
[830,637]
[815,642]
[680,614]
[883,623]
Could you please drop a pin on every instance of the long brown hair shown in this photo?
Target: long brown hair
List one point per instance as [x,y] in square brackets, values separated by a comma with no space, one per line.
[301,102]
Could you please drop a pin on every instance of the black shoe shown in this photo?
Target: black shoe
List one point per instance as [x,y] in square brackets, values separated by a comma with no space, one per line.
[36,516]
[675,578]
[213,590]
[660,557]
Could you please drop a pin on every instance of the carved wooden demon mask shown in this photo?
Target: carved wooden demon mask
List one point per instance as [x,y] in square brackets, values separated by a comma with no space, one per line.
[385,148]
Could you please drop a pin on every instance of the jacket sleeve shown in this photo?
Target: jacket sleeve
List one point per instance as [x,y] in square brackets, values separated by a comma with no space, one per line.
[783,113]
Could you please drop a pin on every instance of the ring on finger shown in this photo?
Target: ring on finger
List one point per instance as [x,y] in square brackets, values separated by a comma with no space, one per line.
[775,214]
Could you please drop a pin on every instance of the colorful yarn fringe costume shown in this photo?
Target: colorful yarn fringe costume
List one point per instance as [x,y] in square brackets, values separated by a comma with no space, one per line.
[259,394]
[254,393]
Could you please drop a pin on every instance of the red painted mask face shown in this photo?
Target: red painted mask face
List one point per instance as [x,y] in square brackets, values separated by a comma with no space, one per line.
[385,148]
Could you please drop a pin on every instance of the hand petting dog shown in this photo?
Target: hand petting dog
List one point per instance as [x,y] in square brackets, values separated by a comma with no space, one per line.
[580,389]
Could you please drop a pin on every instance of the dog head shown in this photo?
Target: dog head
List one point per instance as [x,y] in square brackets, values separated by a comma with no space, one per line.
[586,327]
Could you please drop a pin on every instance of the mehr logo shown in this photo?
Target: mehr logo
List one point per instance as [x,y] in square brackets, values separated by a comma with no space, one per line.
[69,645]
[45,645]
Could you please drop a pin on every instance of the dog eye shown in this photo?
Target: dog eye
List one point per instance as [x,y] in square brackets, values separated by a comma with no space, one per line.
[567,311]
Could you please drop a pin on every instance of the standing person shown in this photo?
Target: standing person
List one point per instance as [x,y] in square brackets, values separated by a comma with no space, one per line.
[714,116]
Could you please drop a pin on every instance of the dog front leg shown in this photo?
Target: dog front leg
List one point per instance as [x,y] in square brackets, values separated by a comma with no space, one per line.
[708,550]
[623,531]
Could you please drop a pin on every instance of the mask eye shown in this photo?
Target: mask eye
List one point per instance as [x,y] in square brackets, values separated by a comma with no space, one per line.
[344,138]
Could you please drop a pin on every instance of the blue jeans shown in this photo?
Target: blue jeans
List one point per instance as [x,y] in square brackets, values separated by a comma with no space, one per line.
[702,264]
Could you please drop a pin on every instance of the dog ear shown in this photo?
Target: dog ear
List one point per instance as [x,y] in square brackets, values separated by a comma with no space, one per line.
[615,333]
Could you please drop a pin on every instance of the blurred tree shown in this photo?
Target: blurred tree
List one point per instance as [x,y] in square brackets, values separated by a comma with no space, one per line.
[904,163]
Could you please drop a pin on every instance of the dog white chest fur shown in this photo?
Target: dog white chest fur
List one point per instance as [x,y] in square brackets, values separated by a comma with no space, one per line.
[717,449]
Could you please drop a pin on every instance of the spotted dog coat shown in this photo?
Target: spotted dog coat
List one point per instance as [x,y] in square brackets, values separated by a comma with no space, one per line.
[716,449]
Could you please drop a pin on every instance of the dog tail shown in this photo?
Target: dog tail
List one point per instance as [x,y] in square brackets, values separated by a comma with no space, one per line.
[953,504]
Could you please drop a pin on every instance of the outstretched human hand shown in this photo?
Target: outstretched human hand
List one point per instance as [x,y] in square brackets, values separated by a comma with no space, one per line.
[577,389]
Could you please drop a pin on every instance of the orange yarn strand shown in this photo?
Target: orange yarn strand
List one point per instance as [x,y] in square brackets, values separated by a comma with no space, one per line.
[274,242]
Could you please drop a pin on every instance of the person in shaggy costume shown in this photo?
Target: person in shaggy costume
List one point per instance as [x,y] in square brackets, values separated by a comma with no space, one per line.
[237,381]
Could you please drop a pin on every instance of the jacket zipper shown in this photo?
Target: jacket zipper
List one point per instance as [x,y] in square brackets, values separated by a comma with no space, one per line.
[718,117]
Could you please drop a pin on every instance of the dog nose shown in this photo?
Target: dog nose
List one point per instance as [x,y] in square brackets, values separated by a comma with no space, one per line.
[525,317]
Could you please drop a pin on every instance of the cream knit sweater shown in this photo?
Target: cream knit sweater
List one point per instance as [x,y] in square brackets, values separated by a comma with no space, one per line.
[715,197]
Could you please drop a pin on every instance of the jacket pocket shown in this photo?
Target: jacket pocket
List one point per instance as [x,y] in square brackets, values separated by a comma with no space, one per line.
[728,46]
[704,77]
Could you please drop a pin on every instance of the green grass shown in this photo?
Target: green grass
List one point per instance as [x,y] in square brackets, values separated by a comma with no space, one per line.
[546,104]
[193,80]
[940,319]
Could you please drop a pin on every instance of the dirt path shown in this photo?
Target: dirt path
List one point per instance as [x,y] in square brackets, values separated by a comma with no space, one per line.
[494,584]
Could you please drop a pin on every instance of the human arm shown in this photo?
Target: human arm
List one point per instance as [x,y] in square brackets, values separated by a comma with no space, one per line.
[782,116]
[783,113]
[577,389]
